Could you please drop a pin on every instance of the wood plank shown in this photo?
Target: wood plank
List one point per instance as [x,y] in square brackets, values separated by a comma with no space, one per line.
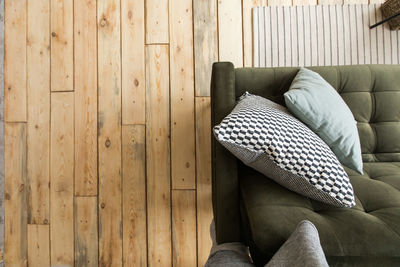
[15,219]
[158,156]
[62,179]
[109,139]
[15,60]
[230,31]
[203,160]
[304,2]
[205,43]
[157,22]
[85,38]
[184,228]
[62,45]
[279,2]
[355,2]
[376,1]
[247,29]
[86,236]
[134,195]
[182,95]
[38,245]
[330,2]
[38,132]
[133,84]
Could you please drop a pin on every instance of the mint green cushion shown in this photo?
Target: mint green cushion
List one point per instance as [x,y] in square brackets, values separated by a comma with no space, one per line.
[315,102]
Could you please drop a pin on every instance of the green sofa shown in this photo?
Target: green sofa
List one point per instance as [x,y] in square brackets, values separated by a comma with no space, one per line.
[250,208]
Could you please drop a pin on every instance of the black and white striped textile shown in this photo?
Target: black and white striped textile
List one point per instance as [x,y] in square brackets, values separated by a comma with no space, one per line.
[322,35]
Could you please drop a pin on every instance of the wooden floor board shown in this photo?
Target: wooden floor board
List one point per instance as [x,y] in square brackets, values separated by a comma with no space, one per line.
[158,156]
[62,34]
[85,79]
[134,195]
[205,43]
[38,245]
[230,31]
[86,231]
[109,135]
[38,131]
[132,49]
[62,179]
[157,22]
[203,159]
[15,206]
[183,162]
[184,228]
[15,24]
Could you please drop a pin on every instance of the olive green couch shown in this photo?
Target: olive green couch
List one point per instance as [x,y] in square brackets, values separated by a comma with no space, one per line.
[250,208]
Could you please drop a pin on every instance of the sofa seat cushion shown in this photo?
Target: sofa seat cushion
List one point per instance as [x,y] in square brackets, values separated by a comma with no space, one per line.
[371,229]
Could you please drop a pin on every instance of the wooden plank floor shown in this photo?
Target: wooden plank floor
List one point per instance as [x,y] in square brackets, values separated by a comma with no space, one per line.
[107,127]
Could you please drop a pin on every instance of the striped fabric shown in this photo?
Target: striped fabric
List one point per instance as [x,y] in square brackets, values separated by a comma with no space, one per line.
[322,35]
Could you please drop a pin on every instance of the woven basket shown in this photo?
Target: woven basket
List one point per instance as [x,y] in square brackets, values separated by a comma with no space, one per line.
[390,8]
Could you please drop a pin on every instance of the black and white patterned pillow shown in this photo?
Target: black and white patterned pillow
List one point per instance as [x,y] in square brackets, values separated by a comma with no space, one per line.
[266,137]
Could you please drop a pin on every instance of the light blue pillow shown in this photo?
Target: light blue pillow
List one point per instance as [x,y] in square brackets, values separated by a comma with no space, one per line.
[316,103]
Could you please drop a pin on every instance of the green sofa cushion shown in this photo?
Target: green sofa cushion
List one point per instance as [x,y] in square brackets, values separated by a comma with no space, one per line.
[371,228]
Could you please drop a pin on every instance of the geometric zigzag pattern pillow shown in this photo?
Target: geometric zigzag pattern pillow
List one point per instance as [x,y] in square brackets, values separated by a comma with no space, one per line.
[266,137]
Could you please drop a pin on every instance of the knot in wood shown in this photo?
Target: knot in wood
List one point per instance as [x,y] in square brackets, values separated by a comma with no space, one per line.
[108,143]
[103,22]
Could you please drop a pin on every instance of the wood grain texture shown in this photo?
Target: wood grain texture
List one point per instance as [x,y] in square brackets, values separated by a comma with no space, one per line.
[86,235]
[203,160]
[157,22]
[184,228]
[205,43]
[109,139]
[38,245]
[248,29]
[330,2]
[85,77]
[304,2]
[279,2]
[15,242]
[182,95]
[158,156]
[230,31]
[15,61]
[38,131]
[132,43]
[62,179]
[134,195]
[62,45]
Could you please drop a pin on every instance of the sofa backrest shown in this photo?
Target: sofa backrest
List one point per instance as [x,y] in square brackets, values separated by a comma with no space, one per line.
[371,91]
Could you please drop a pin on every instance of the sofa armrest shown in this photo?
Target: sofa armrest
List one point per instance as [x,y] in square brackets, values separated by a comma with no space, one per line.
[225,187]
